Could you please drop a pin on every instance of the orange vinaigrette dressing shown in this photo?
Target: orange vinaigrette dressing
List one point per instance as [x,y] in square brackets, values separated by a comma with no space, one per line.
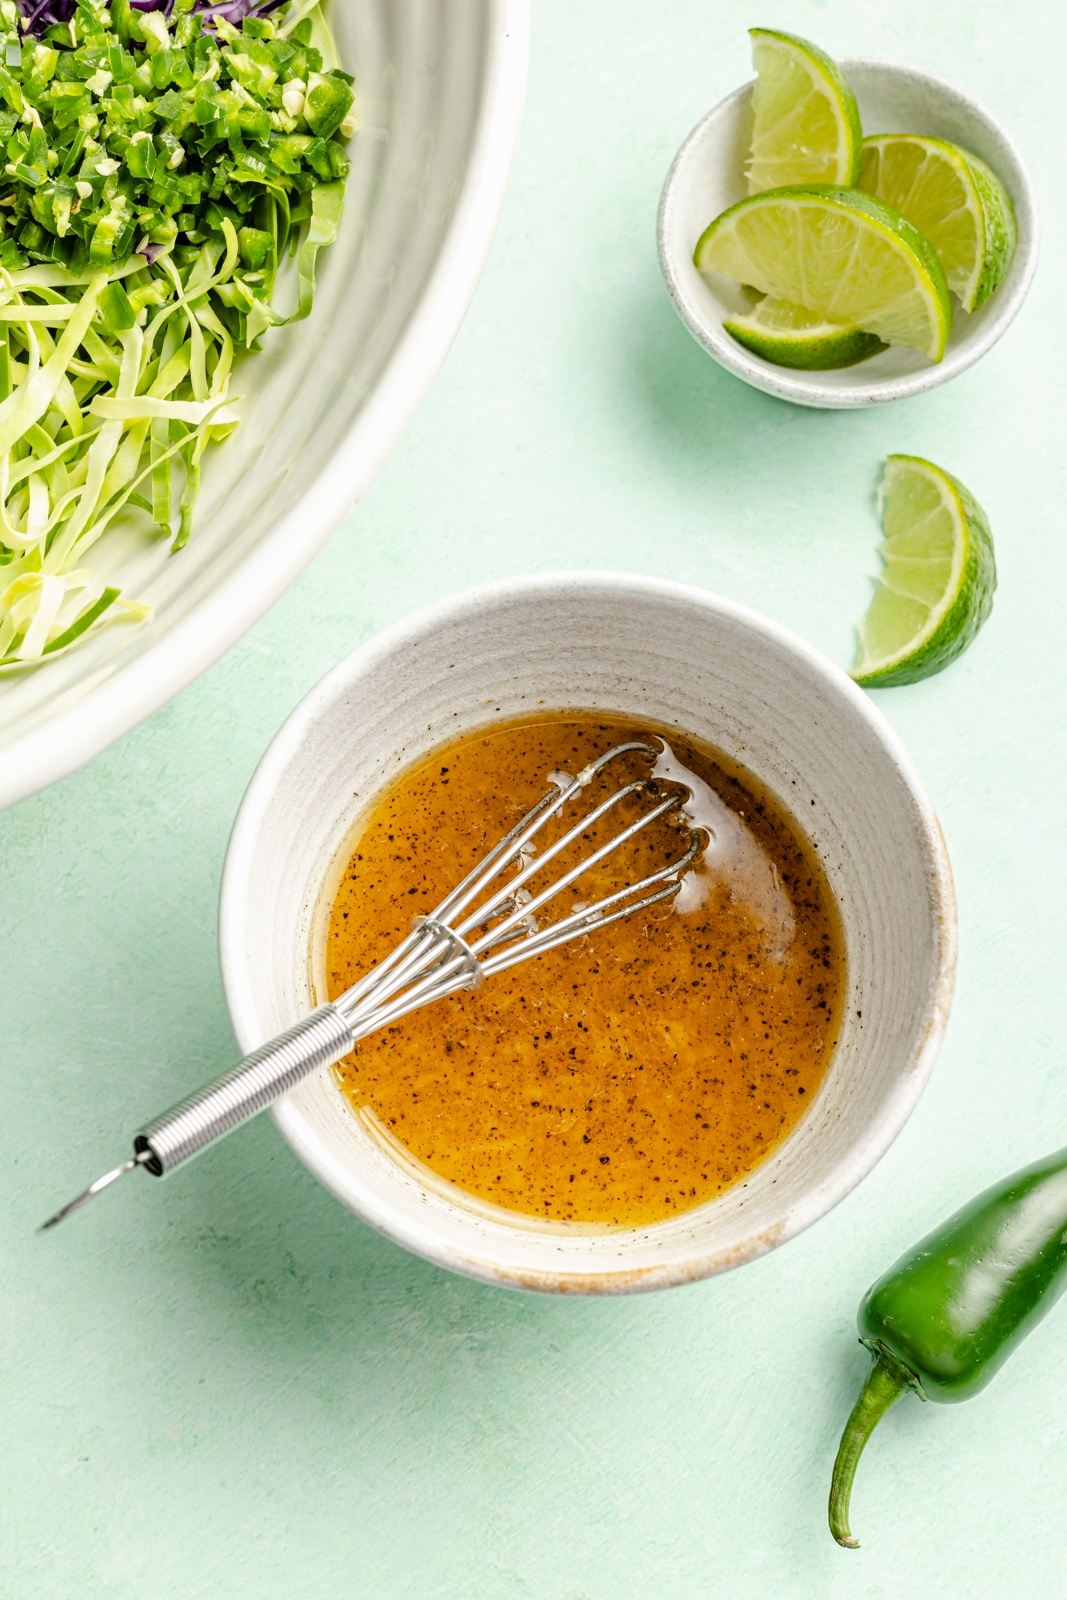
[631,1074]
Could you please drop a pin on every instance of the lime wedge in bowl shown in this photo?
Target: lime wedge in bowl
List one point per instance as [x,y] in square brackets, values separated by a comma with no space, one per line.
[791,336]
[955,199]
[936,588]
[806,125]
[838,252]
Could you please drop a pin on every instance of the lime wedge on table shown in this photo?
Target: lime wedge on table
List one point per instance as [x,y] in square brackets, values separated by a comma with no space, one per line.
[841,253]
[962,207]
[790,336]
[936,588]
[806,128]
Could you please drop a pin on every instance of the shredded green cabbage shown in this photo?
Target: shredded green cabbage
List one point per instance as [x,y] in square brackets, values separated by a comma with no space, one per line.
[161,170]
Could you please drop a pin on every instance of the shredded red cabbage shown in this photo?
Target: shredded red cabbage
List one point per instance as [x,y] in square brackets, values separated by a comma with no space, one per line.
[38,15]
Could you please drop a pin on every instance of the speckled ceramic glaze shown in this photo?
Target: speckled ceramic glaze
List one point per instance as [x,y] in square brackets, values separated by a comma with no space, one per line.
[685,658]
[708,175]
[439,95]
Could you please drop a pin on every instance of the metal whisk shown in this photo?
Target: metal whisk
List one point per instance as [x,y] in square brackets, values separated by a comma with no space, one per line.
[465,940]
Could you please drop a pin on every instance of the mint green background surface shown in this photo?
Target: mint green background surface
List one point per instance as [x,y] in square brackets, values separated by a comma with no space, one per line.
[226,1385]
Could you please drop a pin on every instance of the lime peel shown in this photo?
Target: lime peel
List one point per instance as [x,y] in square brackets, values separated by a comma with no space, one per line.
[806,124]
[955,199]
[790,336]
[936,588]
[839,252]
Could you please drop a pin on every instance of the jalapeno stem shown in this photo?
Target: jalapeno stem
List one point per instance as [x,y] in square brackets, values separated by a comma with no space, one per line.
[887,1380]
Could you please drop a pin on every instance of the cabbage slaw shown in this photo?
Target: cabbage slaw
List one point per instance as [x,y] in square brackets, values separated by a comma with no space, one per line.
[165,158]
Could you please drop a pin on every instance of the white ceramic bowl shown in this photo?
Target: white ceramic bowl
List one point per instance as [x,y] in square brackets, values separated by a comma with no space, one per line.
[708,175]
[440,91]
[685,658]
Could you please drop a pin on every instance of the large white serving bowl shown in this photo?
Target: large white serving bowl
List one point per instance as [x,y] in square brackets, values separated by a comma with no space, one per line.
[708,174]
[683,658]
[440,87]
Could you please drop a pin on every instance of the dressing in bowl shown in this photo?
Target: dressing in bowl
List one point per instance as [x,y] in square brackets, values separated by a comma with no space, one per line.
[627,1075]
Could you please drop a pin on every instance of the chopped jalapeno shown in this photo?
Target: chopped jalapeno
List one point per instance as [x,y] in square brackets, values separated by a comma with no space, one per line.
[160,167]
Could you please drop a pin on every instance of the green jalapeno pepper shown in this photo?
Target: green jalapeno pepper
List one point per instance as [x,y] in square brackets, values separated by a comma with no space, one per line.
[946,1317]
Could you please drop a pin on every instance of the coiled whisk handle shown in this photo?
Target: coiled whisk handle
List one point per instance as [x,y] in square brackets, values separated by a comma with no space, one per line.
[318,1040]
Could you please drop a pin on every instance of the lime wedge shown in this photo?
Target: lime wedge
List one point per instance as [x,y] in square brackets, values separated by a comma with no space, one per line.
[790,336]
[806,127]
[953,197]
[838,252]
[936,588]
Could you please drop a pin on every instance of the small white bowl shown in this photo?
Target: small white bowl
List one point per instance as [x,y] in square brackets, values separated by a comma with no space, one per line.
[708,175]
[684,658]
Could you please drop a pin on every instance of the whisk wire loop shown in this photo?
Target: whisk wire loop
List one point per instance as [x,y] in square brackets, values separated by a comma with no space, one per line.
[531,907]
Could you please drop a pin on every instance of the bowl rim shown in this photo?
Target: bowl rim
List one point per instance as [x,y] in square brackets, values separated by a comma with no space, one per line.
[140,686]
[418,1234]
[805,389]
